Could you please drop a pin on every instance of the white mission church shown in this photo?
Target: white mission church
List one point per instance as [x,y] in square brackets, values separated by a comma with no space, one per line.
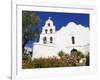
[68,37]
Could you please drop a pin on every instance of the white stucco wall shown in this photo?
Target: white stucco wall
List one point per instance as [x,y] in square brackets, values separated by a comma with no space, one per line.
[63,41]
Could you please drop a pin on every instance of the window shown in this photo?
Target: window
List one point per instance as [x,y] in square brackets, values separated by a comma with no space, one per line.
[46,30]
[51,40]
[73,40]
[50,30]
[48,24]
[44,40]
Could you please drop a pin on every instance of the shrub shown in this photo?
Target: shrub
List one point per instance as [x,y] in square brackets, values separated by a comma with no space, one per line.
[70,60]
[65,60]
[79,53]
[47,62]
[74,58]
[87,59]
[27,63]
[61,54]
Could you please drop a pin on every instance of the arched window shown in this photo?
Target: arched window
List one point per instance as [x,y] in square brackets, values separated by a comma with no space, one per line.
[51,40]
[44,40]
[48,24]
[73,40]
[46,30]
[50,30]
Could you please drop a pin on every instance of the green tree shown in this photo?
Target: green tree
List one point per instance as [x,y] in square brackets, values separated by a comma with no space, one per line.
[88,59]
[30,27]
[80,54]
[61,54]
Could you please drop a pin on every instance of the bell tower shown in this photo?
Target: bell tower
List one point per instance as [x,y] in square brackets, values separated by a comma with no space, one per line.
[47,35]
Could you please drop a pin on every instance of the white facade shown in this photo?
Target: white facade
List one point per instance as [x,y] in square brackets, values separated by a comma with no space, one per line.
[68,37]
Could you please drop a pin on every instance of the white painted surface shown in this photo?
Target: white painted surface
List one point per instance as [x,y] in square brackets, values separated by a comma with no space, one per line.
[62,40]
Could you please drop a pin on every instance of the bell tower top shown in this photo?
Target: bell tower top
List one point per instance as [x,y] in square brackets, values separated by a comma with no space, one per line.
[49,27]
[49,22]
[49,18]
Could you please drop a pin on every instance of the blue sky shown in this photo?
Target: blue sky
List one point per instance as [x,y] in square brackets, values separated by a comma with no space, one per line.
[61,19]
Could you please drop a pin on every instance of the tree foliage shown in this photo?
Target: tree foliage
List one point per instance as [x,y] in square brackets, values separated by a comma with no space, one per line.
[29,18]
[30,27]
